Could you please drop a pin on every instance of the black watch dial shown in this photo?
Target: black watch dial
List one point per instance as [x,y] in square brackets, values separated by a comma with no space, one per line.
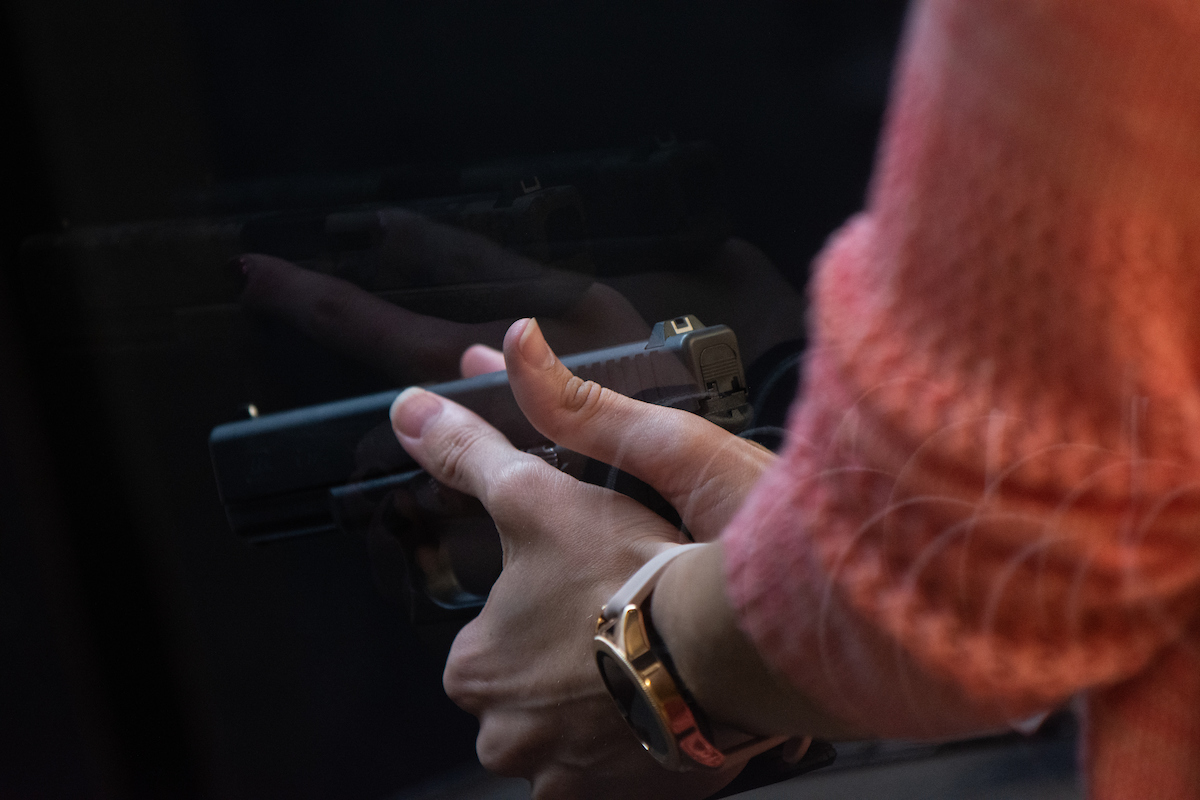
[633,705]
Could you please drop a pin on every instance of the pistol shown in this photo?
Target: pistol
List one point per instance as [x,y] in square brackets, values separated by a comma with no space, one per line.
[338,466]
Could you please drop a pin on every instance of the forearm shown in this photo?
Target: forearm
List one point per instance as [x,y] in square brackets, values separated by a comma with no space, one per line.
[735,686]
[719,665]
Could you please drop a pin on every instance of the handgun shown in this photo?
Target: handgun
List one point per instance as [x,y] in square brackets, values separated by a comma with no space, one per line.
[339,466]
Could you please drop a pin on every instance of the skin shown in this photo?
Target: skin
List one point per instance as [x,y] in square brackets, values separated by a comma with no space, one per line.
[525,665]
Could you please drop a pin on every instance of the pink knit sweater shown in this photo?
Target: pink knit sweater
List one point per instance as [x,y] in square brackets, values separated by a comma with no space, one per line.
[990,497]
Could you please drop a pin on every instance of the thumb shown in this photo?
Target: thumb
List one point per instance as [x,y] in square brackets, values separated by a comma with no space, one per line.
[674,451]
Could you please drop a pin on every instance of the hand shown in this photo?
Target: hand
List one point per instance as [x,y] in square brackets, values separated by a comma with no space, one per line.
[411,347]
[737,286]
[525,666]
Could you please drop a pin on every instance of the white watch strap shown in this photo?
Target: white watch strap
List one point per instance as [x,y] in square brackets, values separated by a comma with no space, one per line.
[638,588]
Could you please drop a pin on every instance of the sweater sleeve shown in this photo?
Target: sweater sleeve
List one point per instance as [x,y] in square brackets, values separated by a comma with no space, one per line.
[989,498]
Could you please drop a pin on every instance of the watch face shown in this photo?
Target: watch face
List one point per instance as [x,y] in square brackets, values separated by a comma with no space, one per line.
[633,705]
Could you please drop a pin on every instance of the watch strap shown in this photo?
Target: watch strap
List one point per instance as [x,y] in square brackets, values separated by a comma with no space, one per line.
[641,584]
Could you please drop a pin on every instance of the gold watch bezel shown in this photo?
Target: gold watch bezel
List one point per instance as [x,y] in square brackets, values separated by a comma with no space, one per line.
[625,640]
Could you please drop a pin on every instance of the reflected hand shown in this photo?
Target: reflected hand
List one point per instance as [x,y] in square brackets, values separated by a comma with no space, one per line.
[411,347]
[737,286]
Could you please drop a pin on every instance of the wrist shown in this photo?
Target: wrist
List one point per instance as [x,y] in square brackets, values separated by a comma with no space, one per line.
[637,670]
[721,667]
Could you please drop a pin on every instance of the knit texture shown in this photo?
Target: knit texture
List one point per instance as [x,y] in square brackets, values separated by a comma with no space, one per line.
[990,496]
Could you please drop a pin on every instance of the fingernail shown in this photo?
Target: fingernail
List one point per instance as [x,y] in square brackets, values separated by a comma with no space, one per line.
[533,346]
[413,410]
[237,270]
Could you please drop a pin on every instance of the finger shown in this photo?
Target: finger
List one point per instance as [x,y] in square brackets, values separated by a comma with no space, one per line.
[413,252]
[794,749]
[406,345]
[513,743]
[702,470]
[461,450]
[418,251]
[411,347]
[531,502]
[479,359]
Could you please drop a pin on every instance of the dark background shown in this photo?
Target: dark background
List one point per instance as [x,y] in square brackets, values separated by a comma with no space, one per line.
[144,651]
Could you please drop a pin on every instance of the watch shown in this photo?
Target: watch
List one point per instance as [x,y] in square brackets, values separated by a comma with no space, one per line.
[640,675]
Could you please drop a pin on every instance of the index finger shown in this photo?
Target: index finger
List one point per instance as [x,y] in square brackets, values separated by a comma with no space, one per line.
[528,498]
[456,446]
[701,469]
